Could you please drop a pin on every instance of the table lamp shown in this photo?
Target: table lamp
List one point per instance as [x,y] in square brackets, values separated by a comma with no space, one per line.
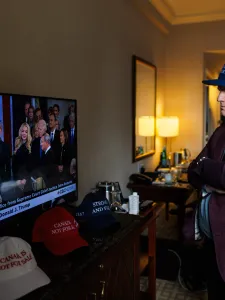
[168,127]
[146,128]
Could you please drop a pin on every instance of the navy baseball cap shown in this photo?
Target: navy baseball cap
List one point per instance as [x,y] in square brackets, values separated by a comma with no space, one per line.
[219,82]
[94,212]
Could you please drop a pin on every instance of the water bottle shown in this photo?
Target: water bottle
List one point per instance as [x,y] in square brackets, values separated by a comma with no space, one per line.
[164,158]
[134,204]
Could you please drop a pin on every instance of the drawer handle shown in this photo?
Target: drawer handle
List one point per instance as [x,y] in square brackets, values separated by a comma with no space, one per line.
[92,296]
[103,289]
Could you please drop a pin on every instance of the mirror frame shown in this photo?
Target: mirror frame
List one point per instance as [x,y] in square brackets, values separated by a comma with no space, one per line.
[152,67]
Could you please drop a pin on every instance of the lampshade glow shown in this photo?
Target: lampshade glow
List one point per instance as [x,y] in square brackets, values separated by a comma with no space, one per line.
[168,126]
[146,126]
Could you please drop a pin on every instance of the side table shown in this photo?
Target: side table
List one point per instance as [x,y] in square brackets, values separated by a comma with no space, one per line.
[148,221]
[178,194]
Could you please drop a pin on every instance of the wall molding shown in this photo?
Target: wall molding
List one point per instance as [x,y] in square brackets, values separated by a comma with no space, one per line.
[163,7]
[152,15]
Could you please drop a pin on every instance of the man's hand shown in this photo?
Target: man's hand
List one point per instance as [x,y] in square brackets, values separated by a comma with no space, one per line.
[60,168]
[21,183]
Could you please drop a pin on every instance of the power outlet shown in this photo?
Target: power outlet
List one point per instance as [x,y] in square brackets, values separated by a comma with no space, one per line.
[139,167]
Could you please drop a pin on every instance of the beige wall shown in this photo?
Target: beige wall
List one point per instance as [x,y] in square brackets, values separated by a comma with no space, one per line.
[213,62]
[185,49]
[82,49]
[214,109]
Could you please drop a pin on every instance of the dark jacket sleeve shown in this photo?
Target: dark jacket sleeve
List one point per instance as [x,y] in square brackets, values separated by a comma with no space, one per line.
[207,171]
[194,174]
[8,162]
[213,173]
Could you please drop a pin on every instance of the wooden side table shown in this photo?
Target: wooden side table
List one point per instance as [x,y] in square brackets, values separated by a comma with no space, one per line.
[177,194]
[149,222]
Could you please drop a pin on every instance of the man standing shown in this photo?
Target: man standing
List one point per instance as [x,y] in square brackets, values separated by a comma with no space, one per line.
[66,118]
[36,150]
[20,117]
[47,170]
[56,111]
[47,166]
[30,120]
[207,174]
[48,156]
[71,136]
[54,135]
[26,109]
[4,159]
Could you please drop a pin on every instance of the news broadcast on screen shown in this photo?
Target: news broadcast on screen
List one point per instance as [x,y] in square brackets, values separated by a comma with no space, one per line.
[38,154]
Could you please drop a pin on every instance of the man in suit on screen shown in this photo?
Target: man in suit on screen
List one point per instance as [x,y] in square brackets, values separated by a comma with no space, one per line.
[54,135]
[72,136]
[4,159]
[48,168]
[36,149]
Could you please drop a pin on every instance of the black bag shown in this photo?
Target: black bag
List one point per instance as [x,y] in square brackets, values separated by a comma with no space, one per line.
[192,270]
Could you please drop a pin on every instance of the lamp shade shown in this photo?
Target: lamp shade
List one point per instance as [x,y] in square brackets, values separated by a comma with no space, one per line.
[146,126]
[168,126]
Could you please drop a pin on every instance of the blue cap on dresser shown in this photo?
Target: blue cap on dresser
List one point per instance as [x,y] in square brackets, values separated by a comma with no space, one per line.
[95,212]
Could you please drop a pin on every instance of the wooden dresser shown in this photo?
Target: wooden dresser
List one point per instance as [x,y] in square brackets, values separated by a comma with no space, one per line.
[109,270]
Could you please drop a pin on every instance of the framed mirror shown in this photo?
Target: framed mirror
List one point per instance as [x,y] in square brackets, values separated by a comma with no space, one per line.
[144,108]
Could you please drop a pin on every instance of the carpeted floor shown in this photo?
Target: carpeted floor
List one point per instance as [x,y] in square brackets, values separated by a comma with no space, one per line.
[167,263]
[171,290]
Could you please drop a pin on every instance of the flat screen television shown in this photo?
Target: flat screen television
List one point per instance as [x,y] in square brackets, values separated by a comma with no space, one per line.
[38,155]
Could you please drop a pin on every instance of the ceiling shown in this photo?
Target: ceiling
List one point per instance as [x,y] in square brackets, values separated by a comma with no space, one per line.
[192,11]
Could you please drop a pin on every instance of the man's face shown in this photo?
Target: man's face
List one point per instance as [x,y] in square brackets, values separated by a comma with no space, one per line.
[57,124]
[52,122]
[26,107]
[44,145]
[71,109]
[38,115]
[41,129]
[36,132]
[55,111]
[221,100]
[31,113]
[62,137]
[71,122]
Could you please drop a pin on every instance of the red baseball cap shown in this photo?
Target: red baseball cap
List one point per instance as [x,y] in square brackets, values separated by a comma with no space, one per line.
[58,230]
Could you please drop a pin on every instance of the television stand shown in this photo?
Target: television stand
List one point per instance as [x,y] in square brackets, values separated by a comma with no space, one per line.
[109,269]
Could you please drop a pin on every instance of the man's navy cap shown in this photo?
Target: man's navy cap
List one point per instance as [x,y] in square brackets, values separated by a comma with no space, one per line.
[94,212]
[218,82]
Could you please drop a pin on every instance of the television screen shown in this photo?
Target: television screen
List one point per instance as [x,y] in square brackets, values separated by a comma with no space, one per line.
[38,153]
